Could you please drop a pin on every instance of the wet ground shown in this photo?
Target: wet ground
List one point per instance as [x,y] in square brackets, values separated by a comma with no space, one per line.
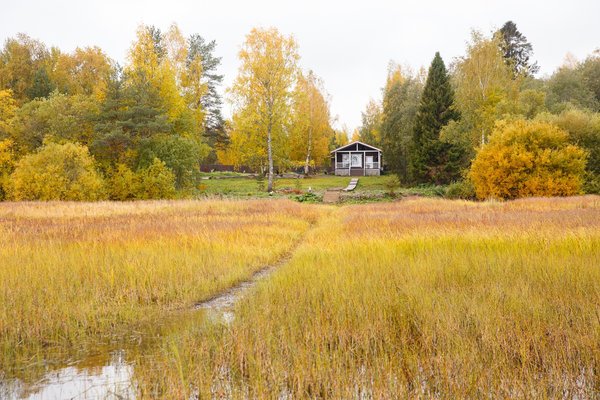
[109,372]
[108,380]
[221,306]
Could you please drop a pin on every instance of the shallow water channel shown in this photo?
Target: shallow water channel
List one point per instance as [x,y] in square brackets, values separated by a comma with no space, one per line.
[106,380]
[108,371]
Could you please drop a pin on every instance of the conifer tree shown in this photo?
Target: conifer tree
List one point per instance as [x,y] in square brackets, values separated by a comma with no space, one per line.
[434,161]
[516,50]
[211,101]
[42,86]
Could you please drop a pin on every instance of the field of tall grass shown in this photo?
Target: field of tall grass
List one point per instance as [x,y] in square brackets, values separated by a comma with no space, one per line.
[71,271]
[415,299]
[420,298]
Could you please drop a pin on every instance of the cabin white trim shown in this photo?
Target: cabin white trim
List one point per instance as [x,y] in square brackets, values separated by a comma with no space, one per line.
[357,159]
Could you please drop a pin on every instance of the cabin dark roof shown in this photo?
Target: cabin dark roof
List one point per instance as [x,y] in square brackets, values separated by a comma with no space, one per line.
[356,142]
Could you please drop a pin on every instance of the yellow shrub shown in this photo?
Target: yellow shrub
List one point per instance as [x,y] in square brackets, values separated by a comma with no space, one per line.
[7,160]
[56,172]
[156,182]
[124,184]
[525,159]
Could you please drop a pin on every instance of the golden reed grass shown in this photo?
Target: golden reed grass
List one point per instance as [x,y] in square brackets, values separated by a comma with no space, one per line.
[415,299]
[420,298]
[69,271]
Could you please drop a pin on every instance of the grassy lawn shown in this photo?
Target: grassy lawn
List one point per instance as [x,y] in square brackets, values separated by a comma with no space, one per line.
[368,186]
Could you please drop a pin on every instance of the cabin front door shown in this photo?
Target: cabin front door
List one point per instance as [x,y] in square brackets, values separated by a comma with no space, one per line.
[357,161]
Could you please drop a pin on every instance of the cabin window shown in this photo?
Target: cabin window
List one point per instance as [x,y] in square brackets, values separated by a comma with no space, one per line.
[345,160]
[369,161]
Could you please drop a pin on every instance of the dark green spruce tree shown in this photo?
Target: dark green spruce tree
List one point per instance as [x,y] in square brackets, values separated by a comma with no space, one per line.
[41,86]
[432,160]
[516,50]
[129,115]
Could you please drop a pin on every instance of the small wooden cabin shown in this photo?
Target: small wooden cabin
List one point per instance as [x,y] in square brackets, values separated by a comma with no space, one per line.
[357,159]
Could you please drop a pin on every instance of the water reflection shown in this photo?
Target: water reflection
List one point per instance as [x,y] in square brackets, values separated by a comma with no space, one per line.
[110,373]
[102,371]
[106,370]
[112,380]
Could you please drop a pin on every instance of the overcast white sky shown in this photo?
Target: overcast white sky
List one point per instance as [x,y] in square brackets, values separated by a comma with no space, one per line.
[347,43]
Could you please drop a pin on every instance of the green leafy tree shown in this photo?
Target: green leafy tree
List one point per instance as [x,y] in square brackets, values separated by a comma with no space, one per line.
[568,86]
[590,70]
[156,182]
[531,103]
[401,99]
[60,117]
[181,155]
[42,86]
[56,172]
[434,161]
[123,184]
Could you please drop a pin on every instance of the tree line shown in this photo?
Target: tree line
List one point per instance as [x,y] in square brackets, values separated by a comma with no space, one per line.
[153,121]
[80,126]
[488,125]
[89,116]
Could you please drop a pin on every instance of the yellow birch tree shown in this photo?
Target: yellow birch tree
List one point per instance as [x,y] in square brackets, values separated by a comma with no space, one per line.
[485,87]
[311,129]
[262,90]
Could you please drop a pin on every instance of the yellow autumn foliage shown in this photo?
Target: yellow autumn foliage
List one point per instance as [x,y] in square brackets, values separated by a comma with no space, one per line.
[526,159]
[7,160]
[56,172]
[156,181]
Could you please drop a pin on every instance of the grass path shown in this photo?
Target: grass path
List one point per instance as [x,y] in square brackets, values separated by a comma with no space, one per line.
[222,304]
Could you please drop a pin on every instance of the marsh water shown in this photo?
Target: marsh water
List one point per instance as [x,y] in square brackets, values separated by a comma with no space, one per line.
[91,378]
[107,370]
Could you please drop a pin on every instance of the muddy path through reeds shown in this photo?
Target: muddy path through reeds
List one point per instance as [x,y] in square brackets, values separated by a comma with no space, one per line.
[89,291]
[221,305]
[107,368]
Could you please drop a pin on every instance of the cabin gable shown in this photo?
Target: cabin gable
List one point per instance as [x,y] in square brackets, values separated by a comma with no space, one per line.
[357,159]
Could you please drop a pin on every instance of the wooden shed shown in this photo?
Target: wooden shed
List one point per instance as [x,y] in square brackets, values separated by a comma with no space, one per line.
[357,159]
